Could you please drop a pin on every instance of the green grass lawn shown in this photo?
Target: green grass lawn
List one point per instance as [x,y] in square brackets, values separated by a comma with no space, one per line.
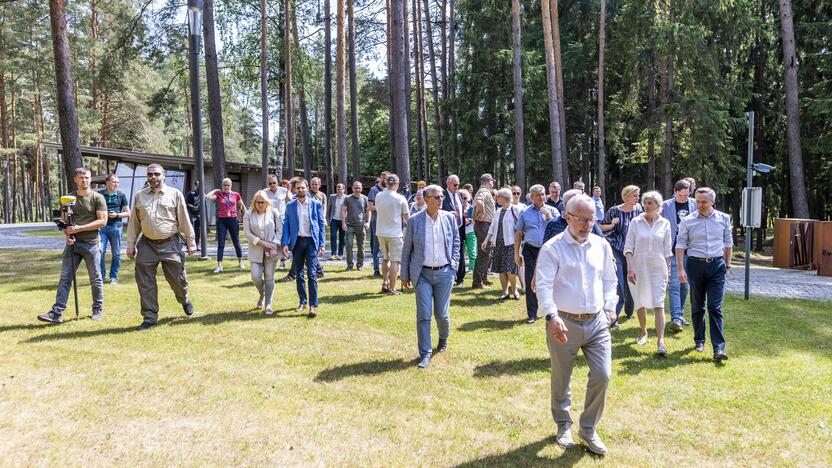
[231,386]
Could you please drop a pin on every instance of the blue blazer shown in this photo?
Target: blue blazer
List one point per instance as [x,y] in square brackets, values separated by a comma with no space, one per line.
[290,223]
[413,250]
[669,213]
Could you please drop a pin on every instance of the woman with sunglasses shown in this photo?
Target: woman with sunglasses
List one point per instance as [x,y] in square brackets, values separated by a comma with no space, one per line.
[230,210]
[263,226]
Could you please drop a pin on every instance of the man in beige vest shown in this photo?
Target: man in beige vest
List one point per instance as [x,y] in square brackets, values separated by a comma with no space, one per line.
[160,216]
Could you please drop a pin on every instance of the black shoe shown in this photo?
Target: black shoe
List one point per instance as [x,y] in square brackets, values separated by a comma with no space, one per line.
[145,326]
[700,347]
[286,279]
[531,319]
[188,308]
[320,274]
[719,355]
[358,268]
[442,346]
[376,274]
[50,317]
[349,268]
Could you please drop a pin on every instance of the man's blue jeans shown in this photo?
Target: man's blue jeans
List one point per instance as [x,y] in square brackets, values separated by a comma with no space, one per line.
[707,283]
[305,253]
[374,247]
[677,292]
[111,235]
[89,252]
[336,237]
[433,298]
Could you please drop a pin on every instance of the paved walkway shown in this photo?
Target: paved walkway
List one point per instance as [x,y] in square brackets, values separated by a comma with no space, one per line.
[765,281]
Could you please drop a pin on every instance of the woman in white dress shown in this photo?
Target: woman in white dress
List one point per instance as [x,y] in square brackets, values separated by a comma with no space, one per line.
[648,252]
[263,226]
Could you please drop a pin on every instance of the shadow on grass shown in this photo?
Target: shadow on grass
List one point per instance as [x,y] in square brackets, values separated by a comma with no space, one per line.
[348,298]
[490,325]
[513,367]
[368,368]
[71,335]
[528,455]
[28,326]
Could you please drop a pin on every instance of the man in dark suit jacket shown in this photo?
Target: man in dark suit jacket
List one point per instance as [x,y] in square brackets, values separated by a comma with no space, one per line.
[303,234]
[430,257]
[454,203]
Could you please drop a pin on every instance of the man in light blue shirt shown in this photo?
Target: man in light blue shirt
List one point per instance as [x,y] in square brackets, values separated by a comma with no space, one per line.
[706,236]
[599,203]
[528,232]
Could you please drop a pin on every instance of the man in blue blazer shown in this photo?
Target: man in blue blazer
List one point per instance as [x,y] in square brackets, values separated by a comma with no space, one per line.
[430,258]
[674,210]
[455,204]
[303,234]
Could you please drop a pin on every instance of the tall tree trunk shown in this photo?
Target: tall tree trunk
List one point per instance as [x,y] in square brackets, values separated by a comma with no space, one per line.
[651,124]
[264,88]
[666,93]
[388,28]
[65,96]
[212,80]
[398,73]
[797,182]
[519,134]
[340,98]
[602,39]
[554,110]
[555,20]
[4,130]
[420,79]
[437,113]
[304,118]
[328,93]
[451,117]
[291,160]
[356,148]
[417,58]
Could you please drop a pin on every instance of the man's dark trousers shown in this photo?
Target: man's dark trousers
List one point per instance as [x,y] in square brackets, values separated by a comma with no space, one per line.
[707,282]
[460,272]
[305,253]
[529,263]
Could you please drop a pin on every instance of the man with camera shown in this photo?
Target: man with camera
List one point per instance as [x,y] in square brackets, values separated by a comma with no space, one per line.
[89,214]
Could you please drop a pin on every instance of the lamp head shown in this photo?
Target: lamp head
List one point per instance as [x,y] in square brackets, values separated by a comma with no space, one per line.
[67,200]
[195,8]
[763,168]
[196,5]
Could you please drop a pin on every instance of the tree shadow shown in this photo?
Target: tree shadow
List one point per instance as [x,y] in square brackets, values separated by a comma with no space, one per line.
[30,326]
[341,299]
[368,368]
[476,301]
[490,325]
[43,287]
[528,456]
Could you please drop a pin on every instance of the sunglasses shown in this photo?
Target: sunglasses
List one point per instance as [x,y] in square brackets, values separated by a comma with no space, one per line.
[515,193]
[154,174]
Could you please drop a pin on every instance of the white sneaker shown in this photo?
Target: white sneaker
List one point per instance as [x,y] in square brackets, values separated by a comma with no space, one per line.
[594,443]
[218,270]
[564,437]
[260,303]
[242,266]
[269,310]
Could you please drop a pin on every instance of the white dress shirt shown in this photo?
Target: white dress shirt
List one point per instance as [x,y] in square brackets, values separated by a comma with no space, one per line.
[435,255]
[580,276]
[304,218]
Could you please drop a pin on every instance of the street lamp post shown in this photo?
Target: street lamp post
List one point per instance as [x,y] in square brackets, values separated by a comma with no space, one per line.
[195,8]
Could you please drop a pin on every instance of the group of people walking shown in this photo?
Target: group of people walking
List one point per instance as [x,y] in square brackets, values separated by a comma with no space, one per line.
[581,265]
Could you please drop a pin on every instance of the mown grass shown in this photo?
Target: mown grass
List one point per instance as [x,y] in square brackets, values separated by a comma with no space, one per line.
[231,386]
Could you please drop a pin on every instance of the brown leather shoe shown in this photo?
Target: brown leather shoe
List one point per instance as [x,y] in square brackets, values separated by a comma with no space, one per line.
[313,312]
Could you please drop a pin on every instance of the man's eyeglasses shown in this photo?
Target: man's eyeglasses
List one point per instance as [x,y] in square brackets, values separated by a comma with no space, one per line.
[154,174]
[272,183]
[589,221]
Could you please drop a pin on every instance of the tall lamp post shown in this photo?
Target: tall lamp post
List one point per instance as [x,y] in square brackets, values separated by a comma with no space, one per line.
[752,199]
[195,8]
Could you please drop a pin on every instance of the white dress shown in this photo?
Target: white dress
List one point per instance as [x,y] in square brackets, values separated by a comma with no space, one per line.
[650,246]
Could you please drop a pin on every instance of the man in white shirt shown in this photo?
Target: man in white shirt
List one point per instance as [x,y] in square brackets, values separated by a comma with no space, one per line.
[391,213]
[577,268]
[430,257]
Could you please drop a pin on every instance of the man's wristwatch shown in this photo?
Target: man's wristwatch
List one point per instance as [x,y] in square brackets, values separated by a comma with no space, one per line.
[549,317]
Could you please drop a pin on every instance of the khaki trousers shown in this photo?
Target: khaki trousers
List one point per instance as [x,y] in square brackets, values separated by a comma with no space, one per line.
[148,256]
